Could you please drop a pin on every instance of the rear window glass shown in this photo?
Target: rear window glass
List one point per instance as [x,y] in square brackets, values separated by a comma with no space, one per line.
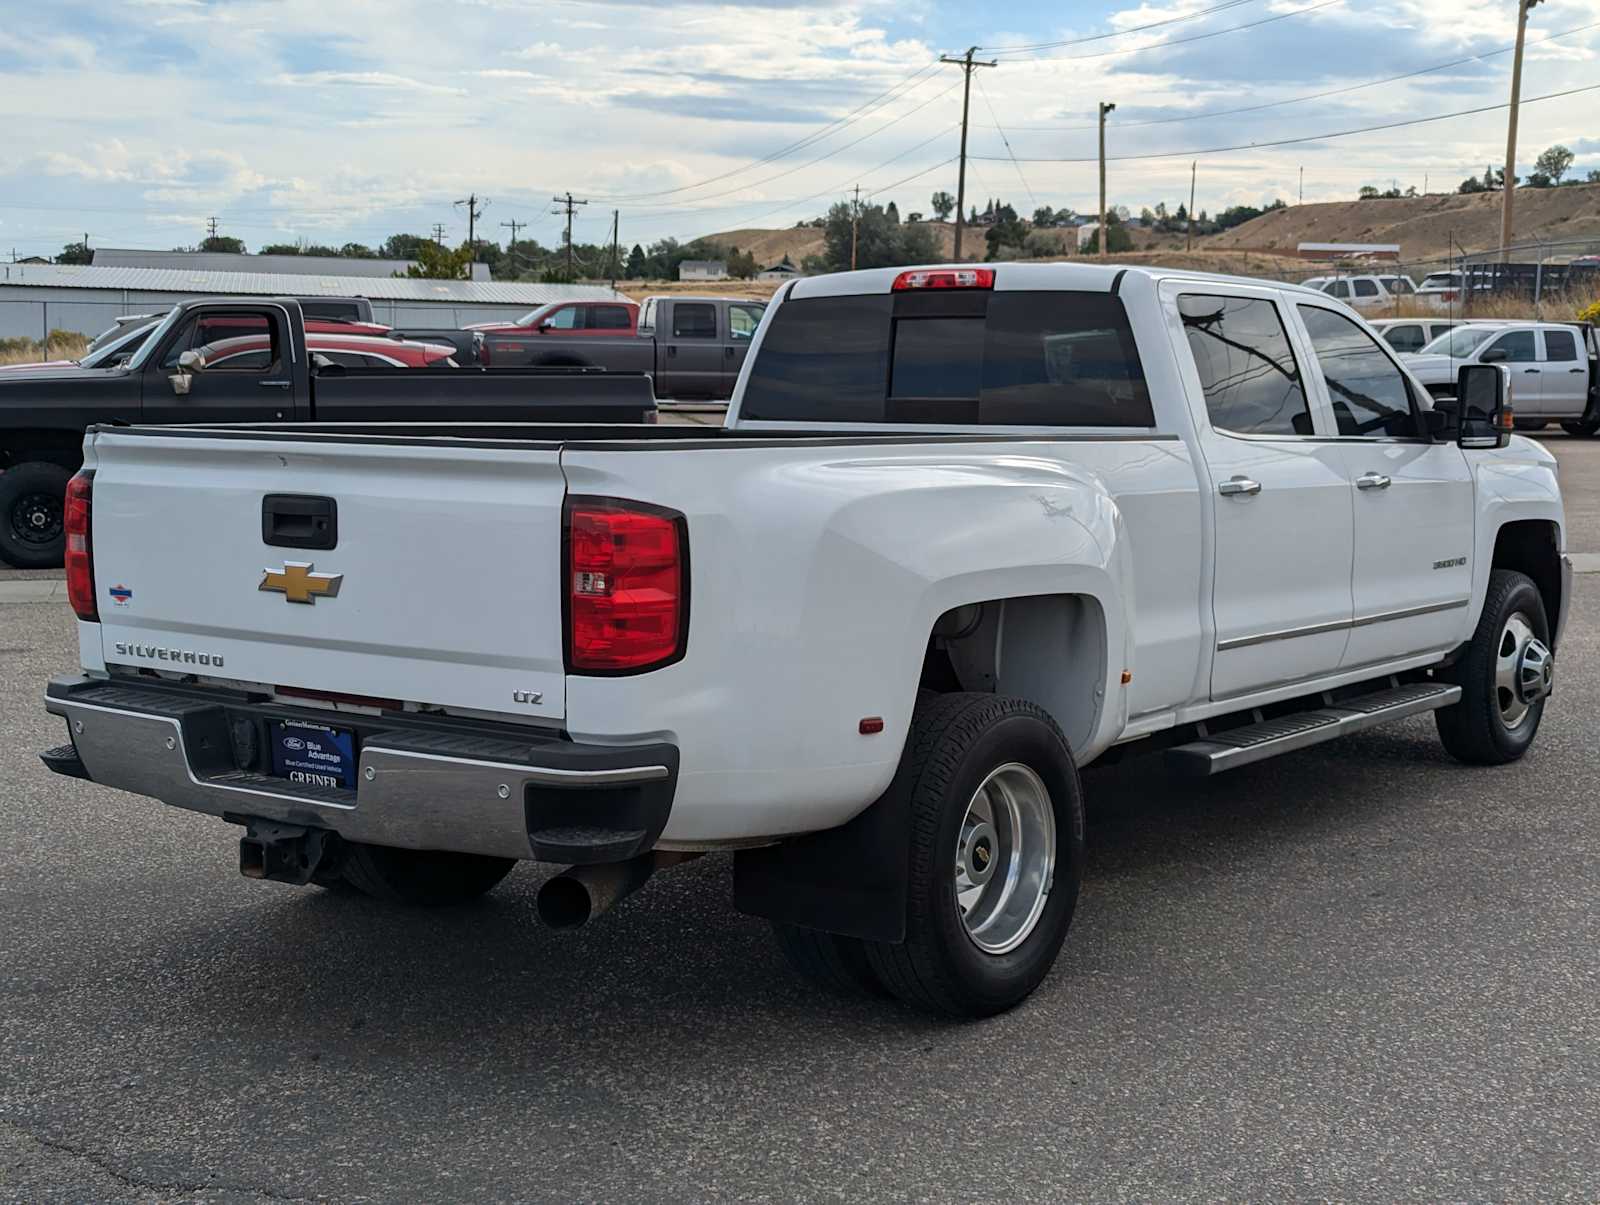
[1560,345]
[1055,359]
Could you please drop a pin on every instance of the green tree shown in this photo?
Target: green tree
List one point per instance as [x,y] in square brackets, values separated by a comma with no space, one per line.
[892,211]
[434,262]
[1118,239]
[1594,175]
[1006,238]
[403,246]
[1554,162]
[880,243]
[1044,216]
[75,253]
[225,243]
[1471,184]
[1368,193]
[742,264]
[636,263]
[942,204]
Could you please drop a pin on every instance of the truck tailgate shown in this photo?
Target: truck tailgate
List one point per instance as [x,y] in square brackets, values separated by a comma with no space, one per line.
[447,560]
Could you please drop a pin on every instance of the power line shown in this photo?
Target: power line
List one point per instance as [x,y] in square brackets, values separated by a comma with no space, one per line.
[907,82]
[996,119]
[1295,100]
[1252,146]
[1100,37]
[1199,37]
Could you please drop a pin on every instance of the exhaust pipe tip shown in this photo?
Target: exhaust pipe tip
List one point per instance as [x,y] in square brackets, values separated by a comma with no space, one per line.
[564,903]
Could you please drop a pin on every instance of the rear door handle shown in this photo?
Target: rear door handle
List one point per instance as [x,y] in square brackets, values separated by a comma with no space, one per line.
[1530,370]
[1237,486]
[274,384]
[1372,481]
[671,351]
[1576,371]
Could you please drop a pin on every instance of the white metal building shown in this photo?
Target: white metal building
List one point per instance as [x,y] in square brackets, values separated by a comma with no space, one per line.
[38,298]
[275,265]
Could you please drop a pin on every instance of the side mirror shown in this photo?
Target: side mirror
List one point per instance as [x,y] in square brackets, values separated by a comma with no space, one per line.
[1495,355]
[1483,404]
[193,360]
[189,363]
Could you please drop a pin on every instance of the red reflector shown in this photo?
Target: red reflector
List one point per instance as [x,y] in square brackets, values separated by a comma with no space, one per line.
[627,586]
[945,278]
[80,549]
[872,725]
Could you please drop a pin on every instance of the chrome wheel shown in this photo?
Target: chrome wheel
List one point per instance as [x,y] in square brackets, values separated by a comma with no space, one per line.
[1524,670]
[1005,858]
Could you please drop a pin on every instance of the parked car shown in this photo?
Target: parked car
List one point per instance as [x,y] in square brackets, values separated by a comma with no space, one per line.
[693,347]
[967,530]
[176,376]
[1411,334]
[1364,292]
[1554,369]
[579,318]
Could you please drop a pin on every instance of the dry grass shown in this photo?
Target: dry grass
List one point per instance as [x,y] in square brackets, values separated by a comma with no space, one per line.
[1554,308]
[62,346]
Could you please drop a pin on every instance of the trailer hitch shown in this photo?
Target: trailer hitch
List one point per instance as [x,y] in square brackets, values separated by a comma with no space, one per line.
[282,853]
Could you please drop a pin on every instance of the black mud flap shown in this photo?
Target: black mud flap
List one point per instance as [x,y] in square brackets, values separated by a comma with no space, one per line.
[850,880]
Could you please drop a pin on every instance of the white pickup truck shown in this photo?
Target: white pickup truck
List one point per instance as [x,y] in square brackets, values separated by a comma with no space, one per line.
[1554,369]
[966,531]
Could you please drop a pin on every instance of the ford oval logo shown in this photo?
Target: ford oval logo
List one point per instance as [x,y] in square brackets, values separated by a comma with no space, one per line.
[293,742]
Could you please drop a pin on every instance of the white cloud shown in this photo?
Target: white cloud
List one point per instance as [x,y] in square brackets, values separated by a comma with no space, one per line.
[363,79]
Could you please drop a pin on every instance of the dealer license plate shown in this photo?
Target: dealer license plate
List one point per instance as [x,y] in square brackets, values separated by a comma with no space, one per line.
[313,753]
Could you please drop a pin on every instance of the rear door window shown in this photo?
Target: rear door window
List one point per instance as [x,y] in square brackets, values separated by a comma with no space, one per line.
[609,318]
[1247,368]
[1560,345]
[694,320]
[1366,288]
[1406,337]
[959,357]
[1337,288]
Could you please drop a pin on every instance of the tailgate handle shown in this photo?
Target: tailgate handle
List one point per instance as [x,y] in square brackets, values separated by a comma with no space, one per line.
[299,521]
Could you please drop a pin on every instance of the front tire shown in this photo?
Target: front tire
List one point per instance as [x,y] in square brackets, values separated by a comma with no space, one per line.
[1581,426]
[428,878]
[996,860]
[32,504]
[1505,676]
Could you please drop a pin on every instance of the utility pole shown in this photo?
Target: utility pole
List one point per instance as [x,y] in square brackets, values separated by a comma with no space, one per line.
[211,227]
[1188,241]
[515,226]
[616,247]
[438,233]
[568,206]
[855,224]
[1508,197]
[1105,233]
[474,212]
[966,64]
[1302,200]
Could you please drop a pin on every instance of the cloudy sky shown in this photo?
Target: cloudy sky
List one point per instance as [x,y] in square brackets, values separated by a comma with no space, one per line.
[135,121]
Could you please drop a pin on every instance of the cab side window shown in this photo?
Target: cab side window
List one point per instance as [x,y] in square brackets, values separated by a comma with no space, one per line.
[694,320]
[1366,288]
[225,338]
[1369,394]
[1247,368]
[1560,345]
[1405,338]
[567,318]
[1513,347]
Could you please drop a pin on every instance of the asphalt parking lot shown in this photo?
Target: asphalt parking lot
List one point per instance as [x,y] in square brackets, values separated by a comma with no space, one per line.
[1361,972]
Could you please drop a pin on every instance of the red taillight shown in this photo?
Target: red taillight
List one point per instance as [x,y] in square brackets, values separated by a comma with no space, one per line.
[945,278]
[627,586]
[80,550]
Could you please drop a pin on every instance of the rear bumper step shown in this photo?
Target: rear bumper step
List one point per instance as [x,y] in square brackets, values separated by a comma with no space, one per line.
[479,789]
[1236,747]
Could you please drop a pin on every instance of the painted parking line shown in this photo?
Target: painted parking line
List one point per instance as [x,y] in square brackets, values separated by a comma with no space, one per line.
[34,590]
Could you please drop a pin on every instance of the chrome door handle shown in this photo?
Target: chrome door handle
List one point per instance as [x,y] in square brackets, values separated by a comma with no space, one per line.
[1236,486]
[1372,481]
[274,384]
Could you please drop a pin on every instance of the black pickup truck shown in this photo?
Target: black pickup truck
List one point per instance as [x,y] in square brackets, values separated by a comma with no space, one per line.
[44,412]
[693,347]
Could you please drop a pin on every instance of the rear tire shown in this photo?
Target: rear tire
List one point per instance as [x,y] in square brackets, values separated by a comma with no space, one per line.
[829,961]
[32,501]
[1581,426]
[1495,721]
[997,853]
[421,877]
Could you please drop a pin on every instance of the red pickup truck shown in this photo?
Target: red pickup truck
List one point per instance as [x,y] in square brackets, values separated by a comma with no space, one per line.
[571,318]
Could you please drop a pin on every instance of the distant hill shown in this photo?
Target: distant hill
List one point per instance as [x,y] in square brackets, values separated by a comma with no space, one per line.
[1423,226]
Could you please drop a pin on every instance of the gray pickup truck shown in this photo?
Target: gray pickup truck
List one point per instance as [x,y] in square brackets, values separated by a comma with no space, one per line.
[693,347]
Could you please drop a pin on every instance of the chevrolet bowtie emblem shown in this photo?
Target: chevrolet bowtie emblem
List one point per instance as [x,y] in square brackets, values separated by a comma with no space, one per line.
[298,584]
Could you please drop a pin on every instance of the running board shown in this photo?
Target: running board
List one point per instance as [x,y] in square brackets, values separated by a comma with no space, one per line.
[1220,751]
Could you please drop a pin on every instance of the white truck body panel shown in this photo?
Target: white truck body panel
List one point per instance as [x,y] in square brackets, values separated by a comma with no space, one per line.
[1129,595]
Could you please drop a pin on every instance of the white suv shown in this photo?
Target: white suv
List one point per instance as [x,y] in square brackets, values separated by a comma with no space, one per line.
[1364,292]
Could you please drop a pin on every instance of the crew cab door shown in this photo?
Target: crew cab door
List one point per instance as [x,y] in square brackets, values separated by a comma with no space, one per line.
[1412,572]
[1280,494]
[1564,379]
[1519,352]
[689,352]
[743,319]
[250,375]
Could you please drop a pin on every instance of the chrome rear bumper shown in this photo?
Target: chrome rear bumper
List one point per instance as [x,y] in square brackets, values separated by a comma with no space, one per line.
[420,783]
